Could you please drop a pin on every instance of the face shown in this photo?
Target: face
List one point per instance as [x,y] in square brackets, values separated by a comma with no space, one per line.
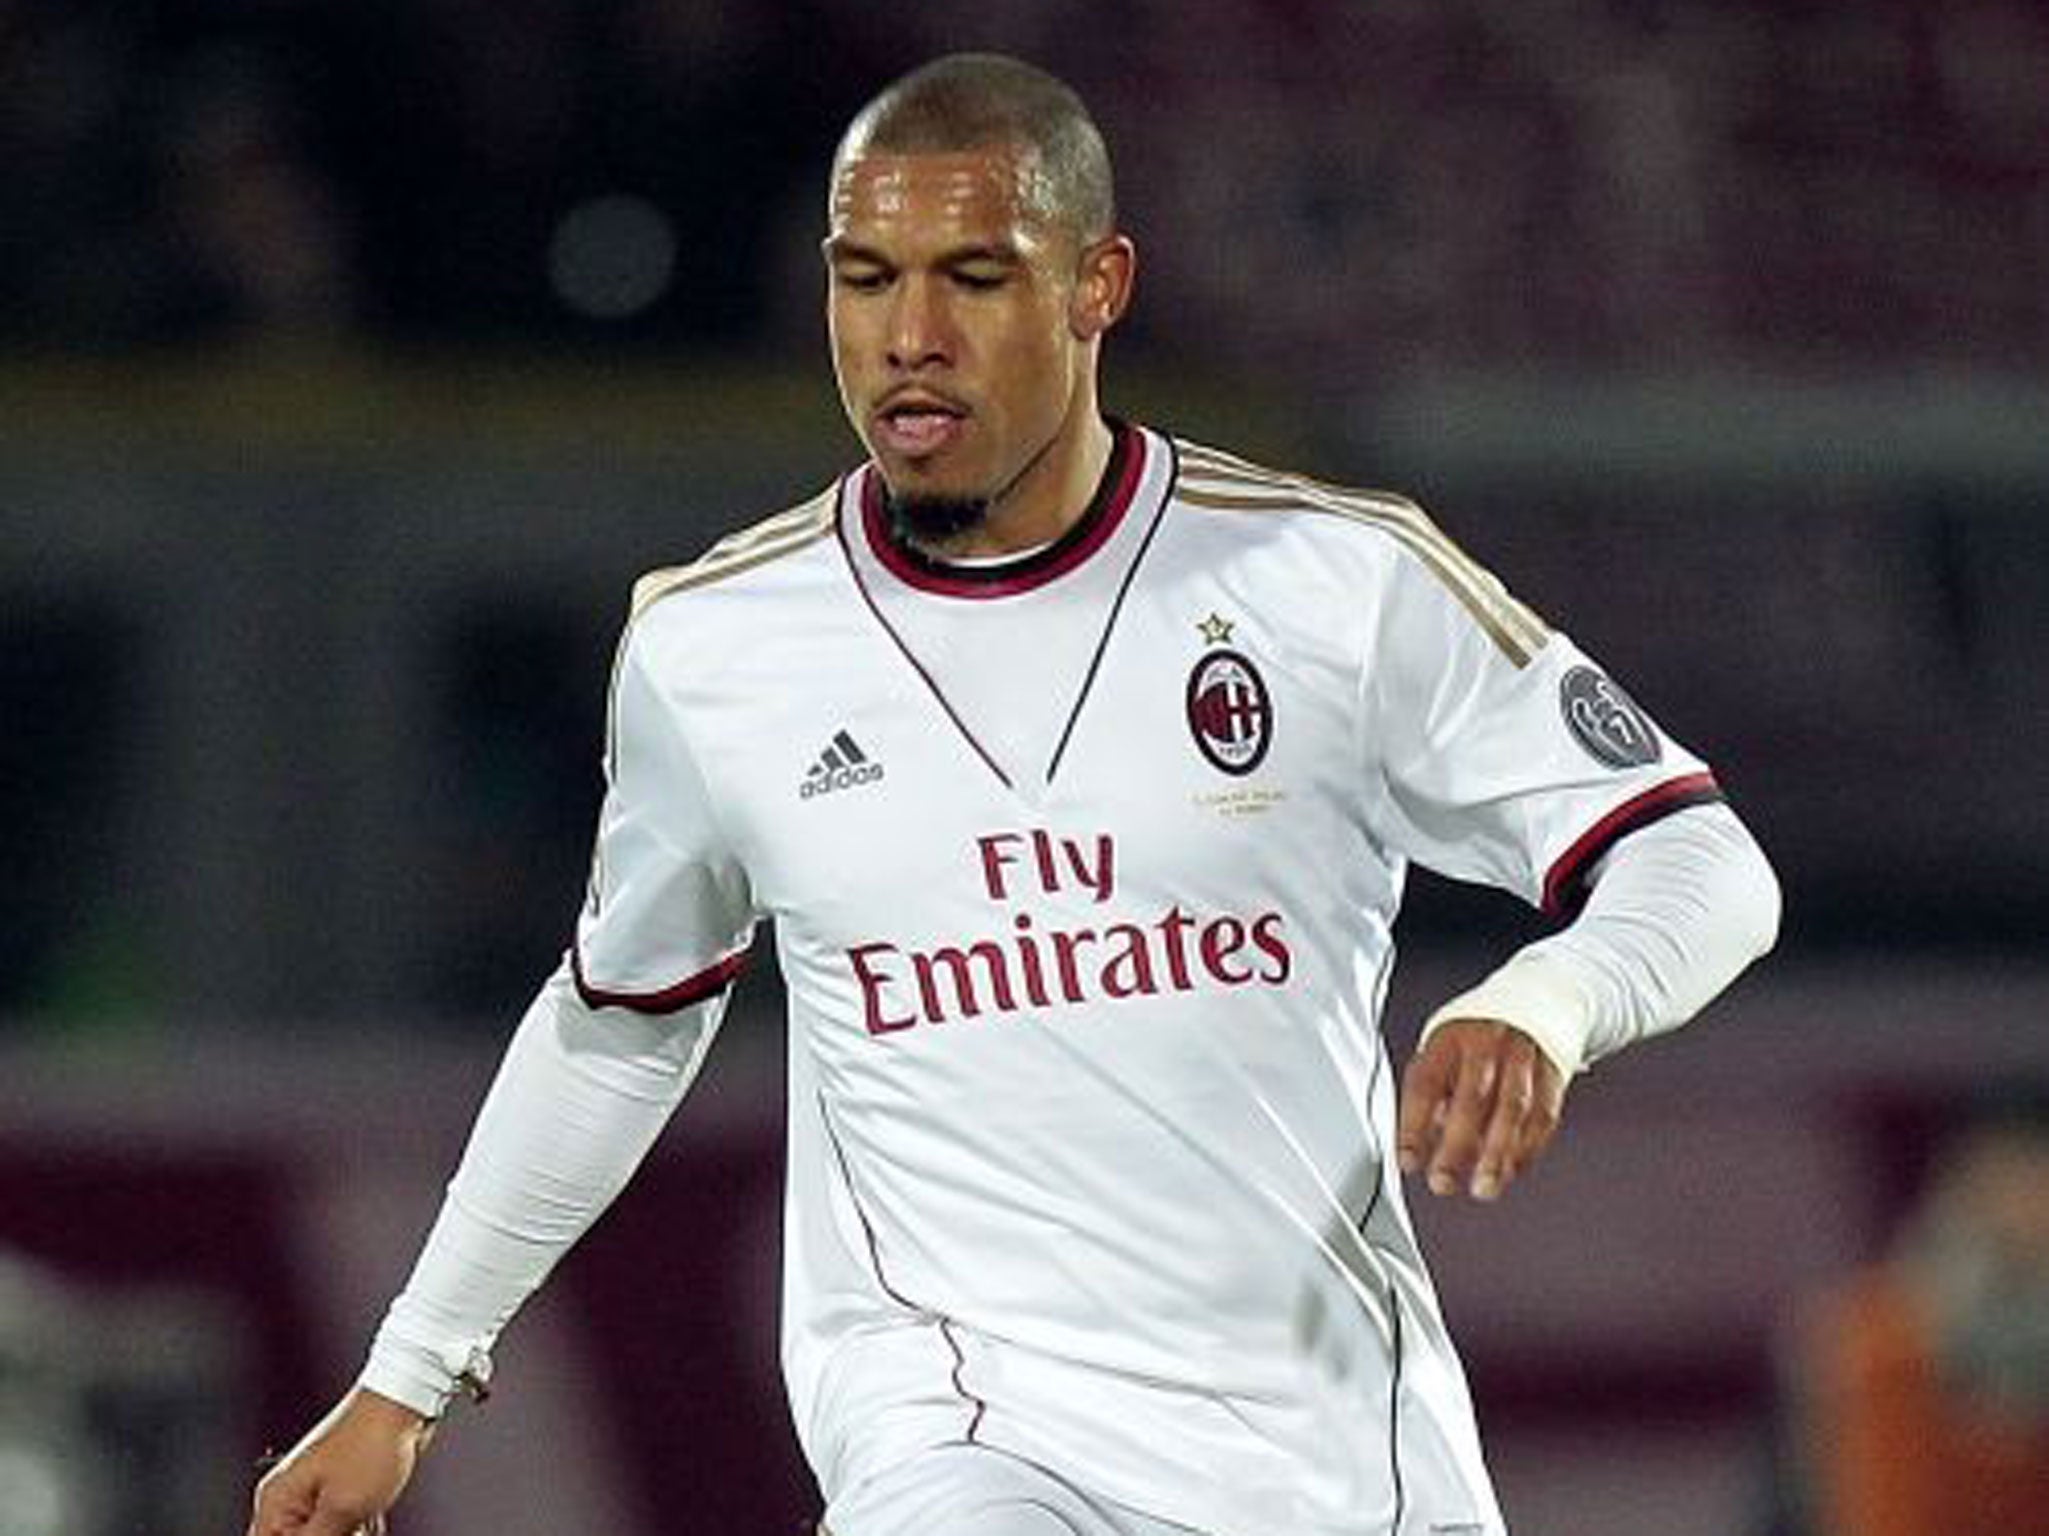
[964,325]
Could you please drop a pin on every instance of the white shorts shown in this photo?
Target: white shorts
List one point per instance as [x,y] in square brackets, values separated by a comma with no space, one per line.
[972,1490]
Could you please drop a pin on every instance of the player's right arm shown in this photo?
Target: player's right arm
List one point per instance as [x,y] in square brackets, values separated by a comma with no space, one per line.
[601,1058]
[578,1101]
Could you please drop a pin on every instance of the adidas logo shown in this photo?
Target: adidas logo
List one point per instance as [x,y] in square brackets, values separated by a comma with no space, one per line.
[842,765]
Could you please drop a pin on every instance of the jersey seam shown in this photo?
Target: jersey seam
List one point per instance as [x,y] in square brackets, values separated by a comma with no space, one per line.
[1386,1171]
[1394,1416]
[943,1321]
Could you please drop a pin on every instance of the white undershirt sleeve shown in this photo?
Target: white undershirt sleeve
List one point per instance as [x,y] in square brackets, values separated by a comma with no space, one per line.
[578,1100]
[1677,910]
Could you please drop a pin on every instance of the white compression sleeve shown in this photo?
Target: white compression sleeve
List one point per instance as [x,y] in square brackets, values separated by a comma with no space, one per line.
[1677,910]
[578,1100]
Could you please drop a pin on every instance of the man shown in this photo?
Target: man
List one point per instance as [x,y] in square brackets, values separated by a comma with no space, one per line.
[1080,768]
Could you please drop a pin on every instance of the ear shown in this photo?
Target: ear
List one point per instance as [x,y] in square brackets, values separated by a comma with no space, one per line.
[1102,286]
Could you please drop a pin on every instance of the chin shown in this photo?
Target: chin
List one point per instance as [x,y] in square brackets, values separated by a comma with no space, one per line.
[934,516]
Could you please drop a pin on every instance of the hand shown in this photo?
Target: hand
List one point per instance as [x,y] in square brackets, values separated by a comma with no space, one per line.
[1479,1103]
[345,1474]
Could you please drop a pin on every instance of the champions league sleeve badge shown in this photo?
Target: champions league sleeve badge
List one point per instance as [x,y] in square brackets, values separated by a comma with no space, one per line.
[1230,712]
[1605,720]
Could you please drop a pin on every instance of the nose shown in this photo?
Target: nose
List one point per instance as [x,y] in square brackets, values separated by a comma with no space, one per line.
[920,333]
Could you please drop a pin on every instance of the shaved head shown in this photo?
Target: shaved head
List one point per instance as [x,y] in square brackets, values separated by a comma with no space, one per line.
[968,101]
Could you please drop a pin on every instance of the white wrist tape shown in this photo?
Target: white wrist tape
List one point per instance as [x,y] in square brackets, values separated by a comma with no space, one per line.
[1537,994]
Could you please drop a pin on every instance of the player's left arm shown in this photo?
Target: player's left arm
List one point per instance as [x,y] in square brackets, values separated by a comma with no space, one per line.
[1676,910]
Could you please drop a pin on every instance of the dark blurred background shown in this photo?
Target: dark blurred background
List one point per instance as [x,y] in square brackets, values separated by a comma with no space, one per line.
[356,354]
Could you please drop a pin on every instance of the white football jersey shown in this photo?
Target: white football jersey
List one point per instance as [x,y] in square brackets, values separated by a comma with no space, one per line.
[1083,869]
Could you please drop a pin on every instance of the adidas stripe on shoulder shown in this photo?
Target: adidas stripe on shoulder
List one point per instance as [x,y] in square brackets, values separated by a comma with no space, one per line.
[757,544]
[1219,481]
[741,550]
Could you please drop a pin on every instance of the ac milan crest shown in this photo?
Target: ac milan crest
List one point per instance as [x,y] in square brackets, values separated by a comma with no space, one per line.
[1230,712]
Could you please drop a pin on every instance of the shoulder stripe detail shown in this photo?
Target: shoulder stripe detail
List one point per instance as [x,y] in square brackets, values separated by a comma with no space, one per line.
[1218,481]
[1203,459]
[757,544]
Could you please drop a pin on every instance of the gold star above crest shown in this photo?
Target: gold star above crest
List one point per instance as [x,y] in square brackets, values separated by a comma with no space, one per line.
[1215,630]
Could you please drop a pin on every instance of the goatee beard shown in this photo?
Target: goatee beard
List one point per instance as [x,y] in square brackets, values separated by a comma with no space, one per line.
[925,521]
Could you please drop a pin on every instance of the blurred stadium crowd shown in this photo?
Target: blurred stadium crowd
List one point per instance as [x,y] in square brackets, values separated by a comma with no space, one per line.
[1337,188]
[1780,271]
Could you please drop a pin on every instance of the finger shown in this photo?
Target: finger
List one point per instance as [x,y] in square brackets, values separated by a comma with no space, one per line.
[1500,1156]
[1465,1122]
[1426,1086]
[1547,1104]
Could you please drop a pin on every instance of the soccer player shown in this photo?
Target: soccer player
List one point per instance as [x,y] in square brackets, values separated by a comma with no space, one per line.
[1079,767]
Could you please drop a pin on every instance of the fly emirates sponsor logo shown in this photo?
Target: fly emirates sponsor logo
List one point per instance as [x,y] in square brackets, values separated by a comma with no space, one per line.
[1036,964]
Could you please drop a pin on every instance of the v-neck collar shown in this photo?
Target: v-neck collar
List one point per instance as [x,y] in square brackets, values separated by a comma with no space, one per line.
[1119,527]
[1090,532]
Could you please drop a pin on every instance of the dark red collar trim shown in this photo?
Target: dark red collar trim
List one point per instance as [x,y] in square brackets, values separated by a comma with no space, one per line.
[1090,532]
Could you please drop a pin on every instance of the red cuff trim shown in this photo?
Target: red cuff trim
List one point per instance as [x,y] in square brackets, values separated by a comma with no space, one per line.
[707,983]
[1565,885]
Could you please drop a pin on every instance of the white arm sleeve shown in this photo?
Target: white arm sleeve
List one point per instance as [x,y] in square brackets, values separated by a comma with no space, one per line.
[1677,910]
[577,1103]
[602,1056]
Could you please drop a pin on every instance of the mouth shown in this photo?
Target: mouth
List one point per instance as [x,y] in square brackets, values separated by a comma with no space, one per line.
[916,423]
